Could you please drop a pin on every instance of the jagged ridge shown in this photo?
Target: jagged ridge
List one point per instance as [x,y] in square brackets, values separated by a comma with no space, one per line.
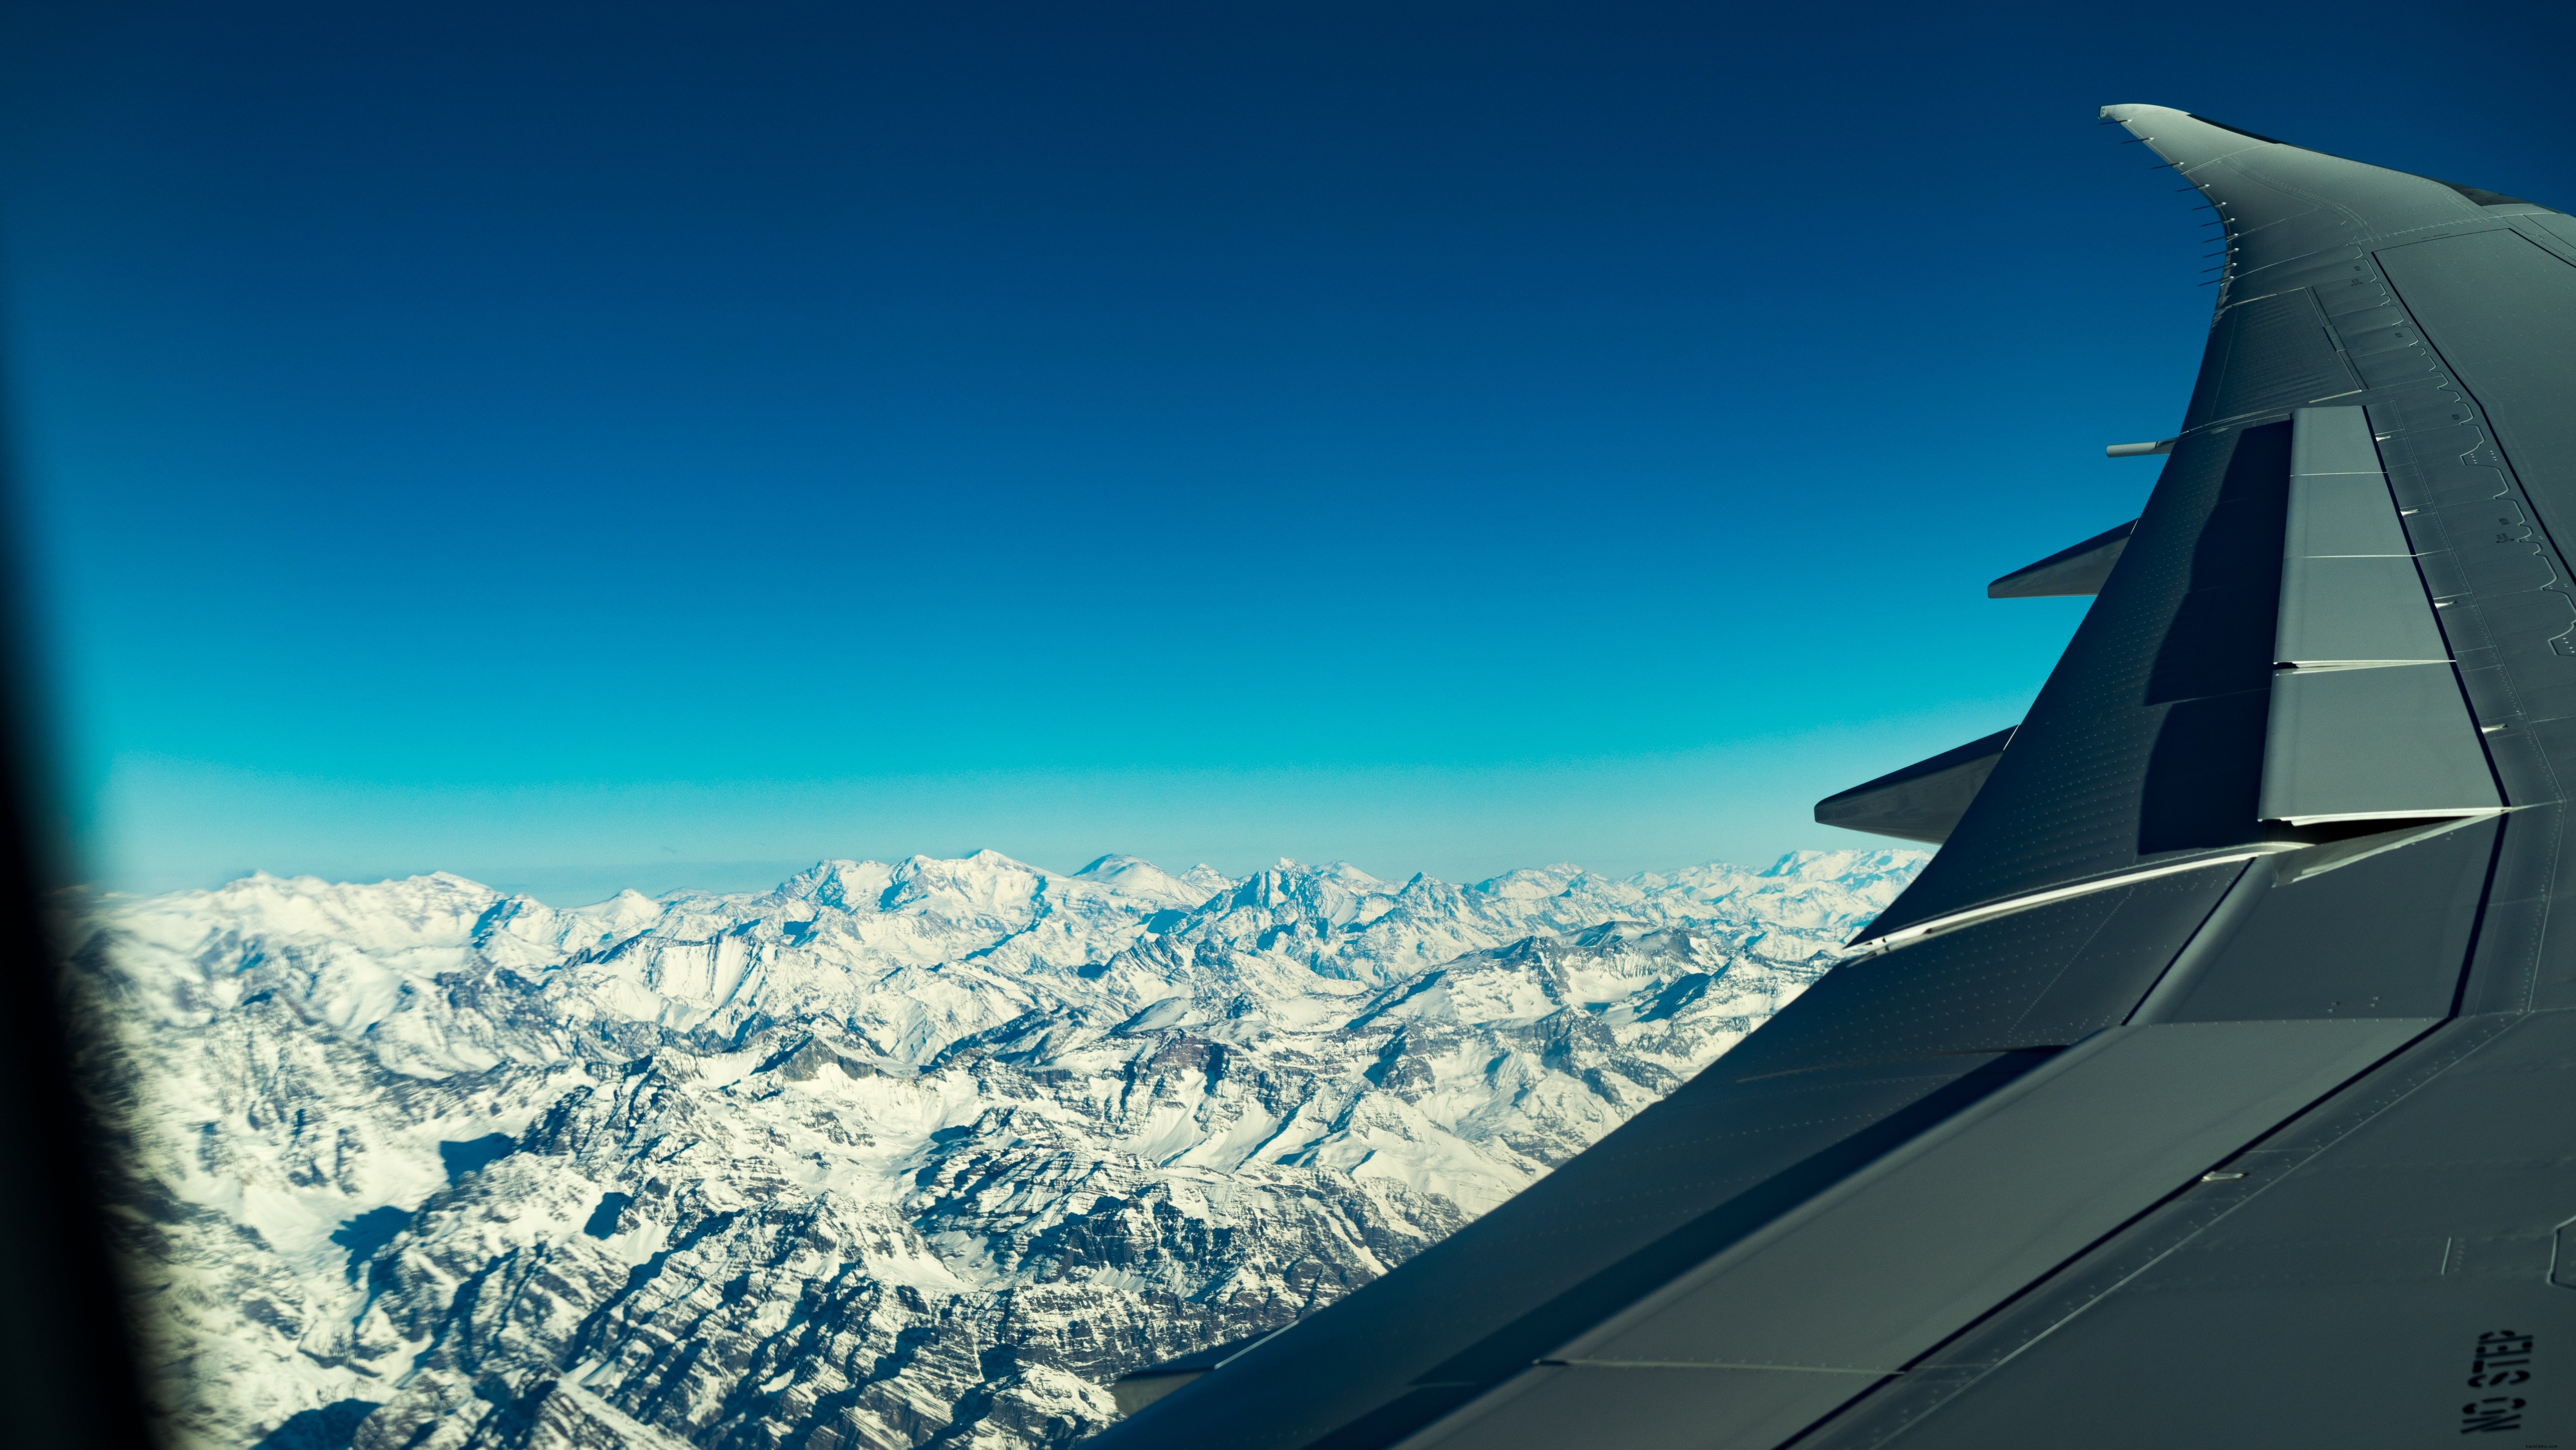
[893,1155]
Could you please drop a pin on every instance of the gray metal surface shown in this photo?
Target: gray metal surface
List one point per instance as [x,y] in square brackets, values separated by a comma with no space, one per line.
[2348,611]
[1662,1407]
[2343,515]
[1133,1392]
[1835,1297]
[2338,1292]
[2349,591]
[2075,570]
[1900,1257]
[2048,976]
[2389,743]
[1922,801]
[2335,443]
[2501,308]
[2363,932]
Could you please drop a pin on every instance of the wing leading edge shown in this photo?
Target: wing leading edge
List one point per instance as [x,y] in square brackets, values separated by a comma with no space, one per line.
[2205,1081]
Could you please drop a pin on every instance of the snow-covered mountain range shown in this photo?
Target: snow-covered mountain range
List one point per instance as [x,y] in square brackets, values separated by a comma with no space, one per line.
[894,1155]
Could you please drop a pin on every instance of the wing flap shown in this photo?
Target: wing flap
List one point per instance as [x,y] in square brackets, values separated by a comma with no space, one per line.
[1832,1298]
[2393,743]
[2378,1274]
[1898,1259]
[2349,592]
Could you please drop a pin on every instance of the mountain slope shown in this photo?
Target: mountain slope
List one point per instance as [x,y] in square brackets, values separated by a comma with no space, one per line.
[897,1154]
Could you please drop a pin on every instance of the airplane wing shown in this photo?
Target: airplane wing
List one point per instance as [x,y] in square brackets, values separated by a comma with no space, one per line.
[2216,1080]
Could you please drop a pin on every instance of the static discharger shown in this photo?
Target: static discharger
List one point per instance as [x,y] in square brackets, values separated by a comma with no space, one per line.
[2137,450]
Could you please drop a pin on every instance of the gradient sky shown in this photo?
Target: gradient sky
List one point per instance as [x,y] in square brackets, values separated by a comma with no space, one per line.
[586,445]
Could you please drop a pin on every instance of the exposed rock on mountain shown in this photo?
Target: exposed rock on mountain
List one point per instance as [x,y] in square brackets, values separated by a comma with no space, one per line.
[894,1155]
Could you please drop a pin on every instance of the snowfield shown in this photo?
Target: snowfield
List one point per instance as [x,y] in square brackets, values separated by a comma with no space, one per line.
[921,1153]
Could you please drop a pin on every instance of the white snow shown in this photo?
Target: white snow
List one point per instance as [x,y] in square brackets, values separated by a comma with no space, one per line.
[946,1105]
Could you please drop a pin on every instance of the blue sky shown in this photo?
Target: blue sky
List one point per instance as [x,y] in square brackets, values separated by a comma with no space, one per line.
[581,446]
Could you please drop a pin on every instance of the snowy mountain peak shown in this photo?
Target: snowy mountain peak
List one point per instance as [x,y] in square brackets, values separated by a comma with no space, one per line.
[1147,881]
[1531,884]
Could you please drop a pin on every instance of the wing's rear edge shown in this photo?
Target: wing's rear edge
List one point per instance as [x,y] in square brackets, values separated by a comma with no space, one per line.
[2141,1097]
